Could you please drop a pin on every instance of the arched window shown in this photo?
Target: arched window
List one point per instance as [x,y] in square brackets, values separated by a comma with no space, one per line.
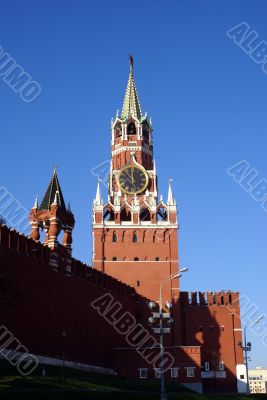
[166,237]
[136,259]
[118,132]
[126,215]
[138,283]
[157,259]
[131,129]
[124,236]
[154,236]
[145,215]
[114,237]
[114,259]
[135,237]
[108,214]
[145,132]
[144,236]
[162,214]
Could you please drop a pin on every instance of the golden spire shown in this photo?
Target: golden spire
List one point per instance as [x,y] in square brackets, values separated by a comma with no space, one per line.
[131,105]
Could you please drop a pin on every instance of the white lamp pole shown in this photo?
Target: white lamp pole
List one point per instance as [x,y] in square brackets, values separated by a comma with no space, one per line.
[247,348]
[163,395]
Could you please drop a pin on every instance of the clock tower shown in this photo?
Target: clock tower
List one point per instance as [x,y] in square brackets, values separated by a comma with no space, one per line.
[135,233]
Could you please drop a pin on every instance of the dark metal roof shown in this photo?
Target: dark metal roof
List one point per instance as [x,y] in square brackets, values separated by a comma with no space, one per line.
[49,196]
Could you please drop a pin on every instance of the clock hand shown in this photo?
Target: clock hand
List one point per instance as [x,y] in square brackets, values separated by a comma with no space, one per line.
[133,181]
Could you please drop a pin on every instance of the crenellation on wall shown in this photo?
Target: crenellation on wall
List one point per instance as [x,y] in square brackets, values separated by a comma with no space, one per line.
[202,298]
[210,299]
[21,244]
[58,260]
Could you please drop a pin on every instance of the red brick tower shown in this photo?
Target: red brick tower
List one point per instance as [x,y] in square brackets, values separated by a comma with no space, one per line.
[135,232]
[52,216]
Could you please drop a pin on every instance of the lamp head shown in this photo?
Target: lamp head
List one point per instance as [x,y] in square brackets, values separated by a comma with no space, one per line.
[151,305]
[168,305]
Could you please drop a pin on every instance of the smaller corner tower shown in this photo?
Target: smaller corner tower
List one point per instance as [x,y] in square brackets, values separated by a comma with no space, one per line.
[52,216]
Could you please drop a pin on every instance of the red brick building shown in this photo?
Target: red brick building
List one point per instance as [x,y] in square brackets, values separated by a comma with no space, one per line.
[135,247]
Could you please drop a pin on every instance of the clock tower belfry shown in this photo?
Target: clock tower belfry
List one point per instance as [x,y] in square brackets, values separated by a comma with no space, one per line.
[135,233]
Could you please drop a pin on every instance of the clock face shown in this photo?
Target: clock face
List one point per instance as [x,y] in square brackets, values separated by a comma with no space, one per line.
[133,180]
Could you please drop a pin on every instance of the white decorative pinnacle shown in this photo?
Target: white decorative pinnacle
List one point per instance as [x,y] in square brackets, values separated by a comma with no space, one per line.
[170,201]
[135,201]
[35,206]
[116,199]
[152,201]
[154,167]
[55,202]
[98,200]
[69,207]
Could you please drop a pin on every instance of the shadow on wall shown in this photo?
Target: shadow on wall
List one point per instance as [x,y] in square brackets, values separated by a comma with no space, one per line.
[208,321]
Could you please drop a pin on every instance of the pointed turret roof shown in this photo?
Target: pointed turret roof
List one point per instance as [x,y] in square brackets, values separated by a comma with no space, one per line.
[56,200]
[170,201]
[131,105]
[53,190]
[35,206]
[98,199]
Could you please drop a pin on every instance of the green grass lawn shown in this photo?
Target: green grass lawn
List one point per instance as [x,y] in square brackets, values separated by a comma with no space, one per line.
[81,385]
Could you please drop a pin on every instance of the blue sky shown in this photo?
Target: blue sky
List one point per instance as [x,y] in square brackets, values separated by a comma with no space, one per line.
[207,99]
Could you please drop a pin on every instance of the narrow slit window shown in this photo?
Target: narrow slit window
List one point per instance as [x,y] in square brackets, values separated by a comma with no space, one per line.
[135,237]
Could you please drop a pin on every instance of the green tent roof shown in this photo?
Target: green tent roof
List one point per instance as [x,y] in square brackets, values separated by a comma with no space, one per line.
[131,105]
[50,194]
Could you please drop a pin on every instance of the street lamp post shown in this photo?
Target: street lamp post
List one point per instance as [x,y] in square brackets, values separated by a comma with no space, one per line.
[247,348]
[161,330]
